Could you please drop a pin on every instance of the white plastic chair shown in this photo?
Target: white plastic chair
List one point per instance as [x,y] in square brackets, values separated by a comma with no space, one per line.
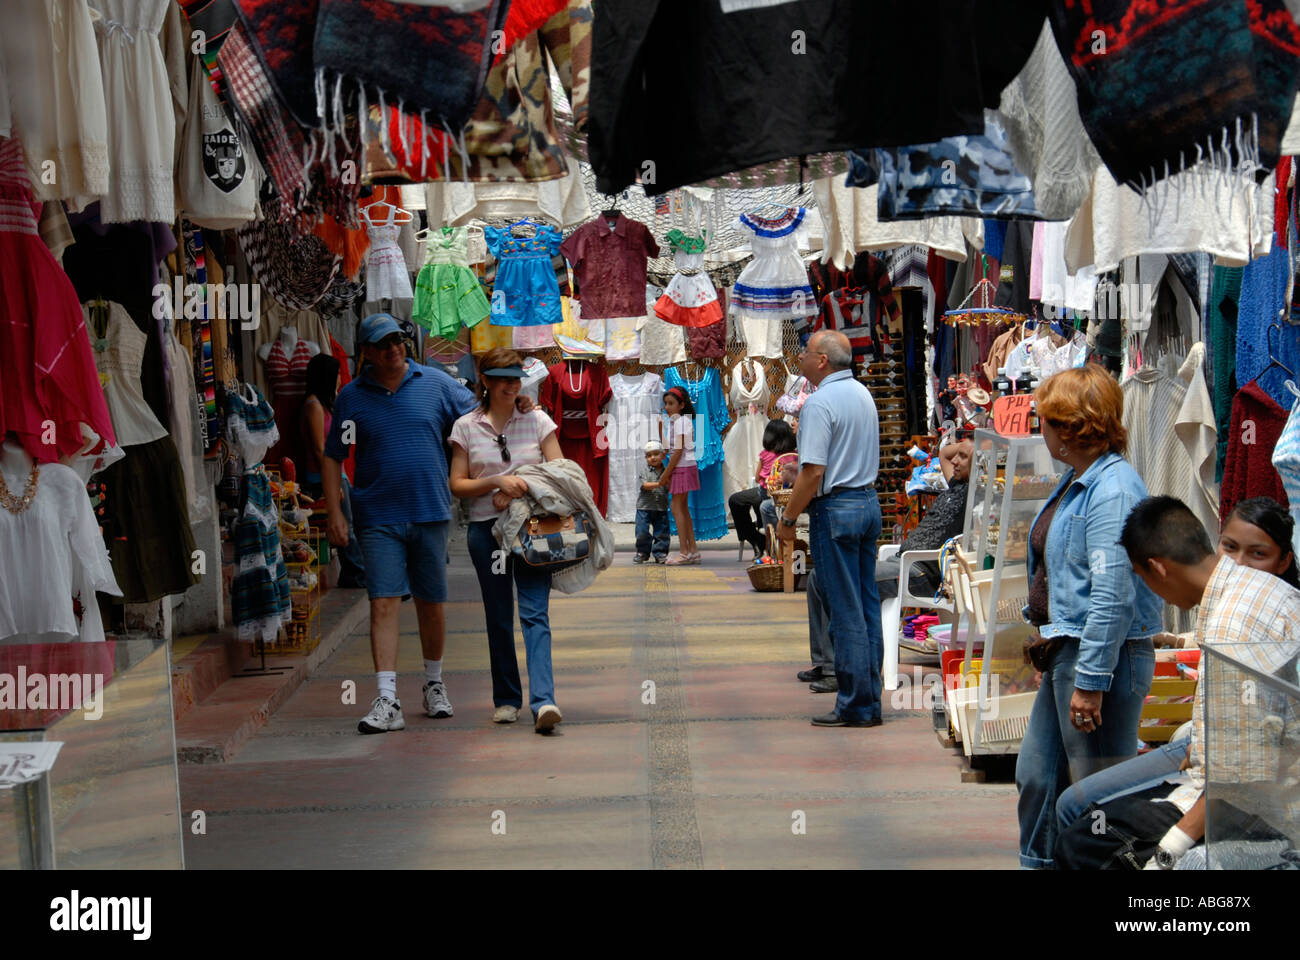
[892,608]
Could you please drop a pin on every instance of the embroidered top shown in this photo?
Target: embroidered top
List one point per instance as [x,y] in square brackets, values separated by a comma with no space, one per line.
[609,263]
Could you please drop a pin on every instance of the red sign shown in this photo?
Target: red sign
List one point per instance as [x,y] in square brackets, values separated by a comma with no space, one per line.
[1011,414]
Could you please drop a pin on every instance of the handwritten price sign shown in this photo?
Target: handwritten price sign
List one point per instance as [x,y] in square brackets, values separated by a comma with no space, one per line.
[1011,414]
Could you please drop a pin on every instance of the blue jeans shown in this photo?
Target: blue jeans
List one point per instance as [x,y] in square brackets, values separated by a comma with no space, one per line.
[496,570]
[845,528]
[402,558]
[1140,773]
[646,521]
[1054,753]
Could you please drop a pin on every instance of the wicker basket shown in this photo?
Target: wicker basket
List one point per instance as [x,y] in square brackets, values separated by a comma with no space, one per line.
[769,577]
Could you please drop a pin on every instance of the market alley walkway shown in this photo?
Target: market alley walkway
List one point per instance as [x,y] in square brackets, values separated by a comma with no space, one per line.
[719,771]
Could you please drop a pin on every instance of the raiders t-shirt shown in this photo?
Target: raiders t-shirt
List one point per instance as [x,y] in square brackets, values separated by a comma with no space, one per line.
[219,172]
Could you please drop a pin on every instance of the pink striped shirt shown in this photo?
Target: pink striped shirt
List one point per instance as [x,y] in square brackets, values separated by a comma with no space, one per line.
[475,434]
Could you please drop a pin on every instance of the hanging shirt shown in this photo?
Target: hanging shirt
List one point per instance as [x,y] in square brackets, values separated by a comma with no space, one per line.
[610,266]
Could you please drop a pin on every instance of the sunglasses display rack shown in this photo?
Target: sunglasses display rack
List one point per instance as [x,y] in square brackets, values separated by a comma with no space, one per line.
[886,383]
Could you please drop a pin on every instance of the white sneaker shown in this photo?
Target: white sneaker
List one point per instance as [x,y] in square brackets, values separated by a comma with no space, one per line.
[385,715]
[506,714]
[547,718]
[436,703]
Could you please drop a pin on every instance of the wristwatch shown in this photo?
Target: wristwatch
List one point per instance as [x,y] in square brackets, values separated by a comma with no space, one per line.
[1165,860]
[787,522]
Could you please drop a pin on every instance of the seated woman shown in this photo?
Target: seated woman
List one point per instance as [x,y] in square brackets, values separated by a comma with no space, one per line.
[941,523]
[788,466]
[778,438]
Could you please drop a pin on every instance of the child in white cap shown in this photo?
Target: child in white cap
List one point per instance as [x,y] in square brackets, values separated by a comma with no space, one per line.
[652,508]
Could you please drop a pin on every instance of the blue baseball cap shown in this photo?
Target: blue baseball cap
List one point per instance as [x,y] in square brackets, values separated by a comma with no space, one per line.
[377,326]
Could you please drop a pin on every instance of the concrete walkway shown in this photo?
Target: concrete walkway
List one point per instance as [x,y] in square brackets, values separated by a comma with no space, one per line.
[719,771]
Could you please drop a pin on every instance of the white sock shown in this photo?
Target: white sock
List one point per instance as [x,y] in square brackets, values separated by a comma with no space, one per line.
[387,683]
[433,671]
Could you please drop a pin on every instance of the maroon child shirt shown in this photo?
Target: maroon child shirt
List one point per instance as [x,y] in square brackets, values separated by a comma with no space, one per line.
[610,266]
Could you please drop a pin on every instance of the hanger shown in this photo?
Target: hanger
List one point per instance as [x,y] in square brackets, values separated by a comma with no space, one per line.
[524,222]
[392,206]
[1273,361]
[780,208]
[613,211]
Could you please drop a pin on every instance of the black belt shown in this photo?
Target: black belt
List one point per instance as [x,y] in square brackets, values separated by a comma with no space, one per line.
[835,490]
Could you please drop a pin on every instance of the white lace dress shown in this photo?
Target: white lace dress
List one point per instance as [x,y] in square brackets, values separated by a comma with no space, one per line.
[633,420]
[141,121]
[386,273]
[744,441]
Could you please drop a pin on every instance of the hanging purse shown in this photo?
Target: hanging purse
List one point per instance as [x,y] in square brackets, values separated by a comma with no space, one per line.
[550,543]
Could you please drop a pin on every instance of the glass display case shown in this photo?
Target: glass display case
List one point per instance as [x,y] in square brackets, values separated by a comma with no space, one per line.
[1011,480]
[111,799]
[1252,756]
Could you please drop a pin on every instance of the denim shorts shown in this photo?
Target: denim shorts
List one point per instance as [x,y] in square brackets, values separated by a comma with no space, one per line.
[404,558]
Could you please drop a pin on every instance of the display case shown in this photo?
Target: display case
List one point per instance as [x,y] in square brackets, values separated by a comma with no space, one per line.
[1011,480]
[111,800]
[1252,756]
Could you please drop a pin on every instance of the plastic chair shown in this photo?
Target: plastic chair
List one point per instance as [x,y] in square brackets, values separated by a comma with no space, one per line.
[891,609]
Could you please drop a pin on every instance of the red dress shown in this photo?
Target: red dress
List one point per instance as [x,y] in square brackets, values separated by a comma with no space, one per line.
[48,382]
[574,396]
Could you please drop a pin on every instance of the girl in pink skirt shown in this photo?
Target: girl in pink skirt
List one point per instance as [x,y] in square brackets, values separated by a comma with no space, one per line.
[681,475]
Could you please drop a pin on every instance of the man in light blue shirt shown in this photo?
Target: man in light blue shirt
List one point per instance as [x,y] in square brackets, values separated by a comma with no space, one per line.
[839,456]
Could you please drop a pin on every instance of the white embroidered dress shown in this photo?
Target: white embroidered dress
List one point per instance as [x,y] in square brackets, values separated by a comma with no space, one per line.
[633,420]
[744,441]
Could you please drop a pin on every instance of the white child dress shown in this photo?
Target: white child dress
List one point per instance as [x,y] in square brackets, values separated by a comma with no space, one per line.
[774,286]
[744,441]
[386,273]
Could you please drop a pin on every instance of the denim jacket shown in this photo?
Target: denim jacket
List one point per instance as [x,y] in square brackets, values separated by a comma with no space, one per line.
[1094,593]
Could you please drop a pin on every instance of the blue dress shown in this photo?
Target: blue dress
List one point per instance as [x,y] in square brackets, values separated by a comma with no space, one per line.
[708,507]
[526,293]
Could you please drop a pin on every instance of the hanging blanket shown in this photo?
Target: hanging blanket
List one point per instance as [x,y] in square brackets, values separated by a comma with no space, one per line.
[1164,84]
[426,58]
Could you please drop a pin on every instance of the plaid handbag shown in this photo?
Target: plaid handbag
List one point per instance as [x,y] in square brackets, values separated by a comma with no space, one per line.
[553,543]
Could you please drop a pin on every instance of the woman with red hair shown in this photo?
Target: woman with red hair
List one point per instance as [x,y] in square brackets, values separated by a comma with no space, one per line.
[1095,617]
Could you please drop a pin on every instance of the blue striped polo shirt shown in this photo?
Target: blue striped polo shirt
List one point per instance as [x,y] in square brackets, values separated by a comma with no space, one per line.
[401,473]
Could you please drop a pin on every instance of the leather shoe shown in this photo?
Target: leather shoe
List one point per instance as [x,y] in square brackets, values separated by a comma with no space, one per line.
[835,720]
[808,676]
[825,685]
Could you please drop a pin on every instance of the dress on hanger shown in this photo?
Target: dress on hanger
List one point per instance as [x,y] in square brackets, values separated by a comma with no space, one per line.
[386,274]
[707,505]
[573,394]
[47,372]
[526,292]
[633,421]
[141,119]
[447,293]
[798,391]
[147,517]
[690,299]
[52,561]
[744,441]
[774,286]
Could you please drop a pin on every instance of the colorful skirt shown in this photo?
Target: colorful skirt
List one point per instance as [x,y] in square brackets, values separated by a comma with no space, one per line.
[684,480]
[147,522]
[690,300]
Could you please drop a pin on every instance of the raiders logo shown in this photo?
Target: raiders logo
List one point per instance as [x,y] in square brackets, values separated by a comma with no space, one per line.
[223,159]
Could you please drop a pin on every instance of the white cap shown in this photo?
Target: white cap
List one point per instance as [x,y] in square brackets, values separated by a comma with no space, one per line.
[654,446]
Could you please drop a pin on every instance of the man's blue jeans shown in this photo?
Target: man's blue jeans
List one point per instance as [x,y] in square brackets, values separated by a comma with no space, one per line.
[1053,753]
[648,522]
[498,578]
[845,528]
[1140,773]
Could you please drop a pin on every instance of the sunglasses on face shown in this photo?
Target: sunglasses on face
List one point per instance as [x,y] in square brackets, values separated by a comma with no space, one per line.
[505,451]
[392,340]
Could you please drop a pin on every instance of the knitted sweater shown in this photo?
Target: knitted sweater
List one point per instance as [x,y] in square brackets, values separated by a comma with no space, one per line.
[1248,470]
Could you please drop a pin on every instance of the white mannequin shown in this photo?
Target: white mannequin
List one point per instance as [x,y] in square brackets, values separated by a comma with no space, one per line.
[288,342]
